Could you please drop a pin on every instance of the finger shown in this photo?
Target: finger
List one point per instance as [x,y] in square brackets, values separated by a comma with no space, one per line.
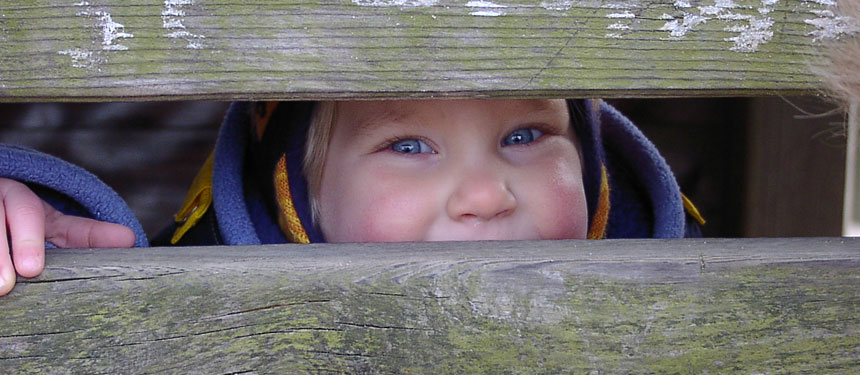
[74,231]
[25,218]
[7,271]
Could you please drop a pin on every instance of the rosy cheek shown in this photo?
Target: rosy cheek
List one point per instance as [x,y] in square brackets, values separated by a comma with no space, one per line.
[395,215]
[565,215]
[381,204]
[570,213]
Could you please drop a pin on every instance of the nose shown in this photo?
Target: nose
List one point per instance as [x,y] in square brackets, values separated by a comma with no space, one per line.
[481,197]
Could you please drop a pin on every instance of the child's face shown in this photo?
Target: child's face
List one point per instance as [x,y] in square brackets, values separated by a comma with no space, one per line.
[452,170]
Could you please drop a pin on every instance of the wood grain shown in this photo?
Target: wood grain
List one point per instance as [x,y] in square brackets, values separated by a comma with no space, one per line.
[289,49]
[608,307]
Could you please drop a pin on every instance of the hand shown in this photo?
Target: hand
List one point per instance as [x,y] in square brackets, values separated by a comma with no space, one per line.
[30,221]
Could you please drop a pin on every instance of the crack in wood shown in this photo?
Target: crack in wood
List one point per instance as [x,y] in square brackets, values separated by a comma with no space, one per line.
[36,334]
[45,281]
[153,277]
[102,277]
[406,296]
[549,63]
[375,326]
[291,330]
[177,337]
[786,260]
[269,307]
[20,357]
[326,352]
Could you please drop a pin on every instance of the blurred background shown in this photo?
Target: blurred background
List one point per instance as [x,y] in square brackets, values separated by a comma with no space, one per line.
[761,167]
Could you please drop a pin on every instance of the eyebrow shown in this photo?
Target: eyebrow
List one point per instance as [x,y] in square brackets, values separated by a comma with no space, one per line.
[364,125]
[538,107]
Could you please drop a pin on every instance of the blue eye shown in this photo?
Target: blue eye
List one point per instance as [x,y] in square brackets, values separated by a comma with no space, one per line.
[522,136]
[411,146]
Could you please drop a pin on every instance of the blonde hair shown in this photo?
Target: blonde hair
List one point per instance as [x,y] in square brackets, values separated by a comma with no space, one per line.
[316,146]
[840,68]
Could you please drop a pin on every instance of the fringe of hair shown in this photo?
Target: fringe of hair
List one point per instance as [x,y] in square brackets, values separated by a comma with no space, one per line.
[315,150]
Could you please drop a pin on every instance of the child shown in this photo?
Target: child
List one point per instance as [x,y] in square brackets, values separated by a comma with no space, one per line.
[405,171]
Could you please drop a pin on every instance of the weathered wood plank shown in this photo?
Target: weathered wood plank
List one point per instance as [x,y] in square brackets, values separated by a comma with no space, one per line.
[609,307]
[288,49]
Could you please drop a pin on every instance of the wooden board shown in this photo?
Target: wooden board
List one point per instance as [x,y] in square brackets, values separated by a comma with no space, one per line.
[285,49]
[774,306]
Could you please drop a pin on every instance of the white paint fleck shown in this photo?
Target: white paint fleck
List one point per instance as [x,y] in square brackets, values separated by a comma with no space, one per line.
[755,32]
[484,4]
[110,35]
[621,15]
[679,28]
[666,16]
[733,17]
[751,36]
[179,34]
[710,10]
[682,4]
[618,26]
[752,30]
[172,23]
[557,5]
[619,6]
[395,3]
[111,31]
[828,25]
[717,8]
[172,9]
[831,28]
[486,13]
[172,19]
[81,58]
[485,8]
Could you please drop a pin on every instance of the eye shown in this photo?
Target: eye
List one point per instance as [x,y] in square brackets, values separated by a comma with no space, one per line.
[411,146]
[522,136]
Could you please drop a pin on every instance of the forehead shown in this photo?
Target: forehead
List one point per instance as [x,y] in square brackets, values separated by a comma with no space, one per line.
[365,115]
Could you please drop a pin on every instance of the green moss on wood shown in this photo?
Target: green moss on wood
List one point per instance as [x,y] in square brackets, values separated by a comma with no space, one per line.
[287,49]
[526,310]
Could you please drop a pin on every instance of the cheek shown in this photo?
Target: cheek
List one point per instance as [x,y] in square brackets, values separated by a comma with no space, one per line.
[570,215]
[560,210]
[376,207]
[393,216]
